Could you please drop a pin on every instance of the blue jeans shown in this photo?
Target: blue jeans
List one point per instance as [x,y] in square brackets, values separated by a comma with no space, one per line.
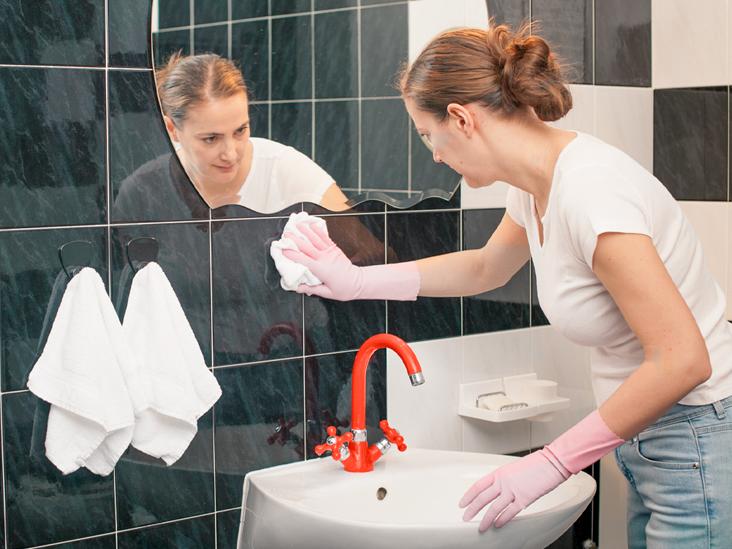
[680,475]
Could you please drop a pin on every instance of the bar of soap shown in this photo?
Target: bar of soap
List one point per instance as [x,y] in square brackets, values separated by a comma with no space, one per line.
[494,402]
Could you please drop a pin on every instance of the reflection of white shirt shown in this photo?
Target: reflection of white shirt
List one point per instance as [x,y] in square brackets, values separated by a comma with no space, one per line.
[597,189]
[281,176]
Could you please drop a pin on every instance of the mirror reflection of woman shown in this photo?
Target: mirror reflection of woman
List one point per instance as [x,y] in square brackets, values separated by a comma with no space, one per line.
[205,106]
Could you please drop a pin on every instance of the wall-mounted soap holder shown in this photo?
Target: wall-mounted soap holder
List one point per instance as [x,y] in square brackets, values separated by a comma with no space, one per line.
[511,398]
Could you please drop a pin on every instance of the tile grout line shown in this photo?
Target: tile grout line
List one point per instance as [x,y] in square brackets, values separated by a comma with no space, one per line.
[2,461]
[359,91]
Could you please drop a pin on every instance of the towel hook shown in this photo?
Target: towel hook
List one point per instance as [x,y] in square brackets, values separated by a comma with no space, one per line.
[142,249]
[75,253]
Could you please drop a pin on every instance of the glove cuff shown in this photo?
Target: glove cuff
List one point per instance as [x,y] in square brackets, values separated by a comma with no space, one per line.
[395,281]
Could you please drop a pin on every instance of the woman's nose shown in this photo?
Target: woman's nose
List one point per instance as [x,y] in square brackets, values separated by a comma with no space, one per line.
[229,151]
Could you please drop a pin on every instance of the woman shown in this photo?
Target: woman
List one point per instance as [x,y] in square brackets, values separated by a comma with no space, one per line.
[618,269]
[206,113]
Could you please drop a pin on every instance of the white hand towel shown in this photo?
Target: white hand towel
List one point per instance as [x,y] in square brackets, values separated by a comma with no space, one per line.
[81,373]
[293,274]
[181,387]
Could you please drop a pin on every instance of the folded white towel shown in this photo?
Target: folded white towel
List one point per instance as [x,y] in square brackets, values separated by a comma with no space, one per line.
[293,274]
[181,387]
[83,372]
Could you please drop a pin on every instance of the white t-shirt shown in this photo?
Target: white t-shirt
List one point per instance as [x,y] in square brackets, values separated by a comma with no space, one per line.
[281,176]
[597,188]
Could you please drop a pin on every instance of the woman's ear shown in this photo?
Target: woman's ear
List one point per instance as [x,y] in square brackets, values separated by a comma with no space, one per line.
[462,118]
[170,126]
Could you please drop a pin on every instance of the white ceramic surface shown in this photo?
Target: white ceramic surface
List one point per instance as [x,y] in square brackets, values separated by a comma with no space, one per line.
[315,504]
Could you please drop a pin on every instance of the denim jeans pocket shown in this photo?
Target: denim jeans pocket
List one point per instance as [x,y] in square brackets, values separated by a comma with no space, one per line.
[671,446]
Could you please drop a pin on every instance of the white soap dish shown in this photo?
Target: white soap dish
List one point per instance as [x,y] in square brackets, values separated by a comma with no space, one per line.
[511,398]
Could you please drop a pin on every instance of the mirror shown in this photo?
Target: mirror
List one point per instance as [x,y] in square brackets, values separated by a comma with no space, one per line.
[321,121]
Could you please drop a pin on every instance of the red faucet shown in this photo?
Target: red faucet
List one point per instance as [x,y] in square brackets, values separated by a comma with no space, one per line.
[352,448]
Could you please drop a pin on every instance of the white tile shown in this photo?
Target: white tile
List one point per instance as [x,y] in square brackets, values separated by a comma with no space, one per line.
[493,196]
[689,43]
[496,354]
[555,357]
[582,115]
[427,415]
[495,438]
[427,18]
[711,221]
[625,119]
[476,14]
[613,503]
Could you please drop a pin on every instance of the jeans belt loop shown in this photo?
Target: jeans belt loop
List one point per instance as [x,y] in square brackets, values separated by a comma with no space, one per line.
[719,409]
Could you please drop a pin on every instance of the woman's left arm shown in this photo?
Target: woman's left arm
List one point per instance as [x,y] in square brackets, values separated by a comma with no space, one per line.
[675,354]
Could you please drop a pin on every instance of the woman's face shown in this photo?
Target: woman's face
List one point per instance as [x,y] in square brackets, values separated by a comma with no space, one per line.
[214,139]
[455,142]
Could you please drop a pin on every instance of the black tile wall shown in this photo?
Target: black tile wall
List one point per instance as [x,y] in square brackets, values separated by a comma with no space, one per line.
[211,39]
[511,12]
[169,42]
[292,124]
[690,142]
[504,308]
[250,49]
[197,532]
[249,9]
[385,43]
[336,54]
[384,144]
[174,13]
[282,7]
[210,11]
[129,41]
[52,33]
[623,43]
[339,157]
[291,58]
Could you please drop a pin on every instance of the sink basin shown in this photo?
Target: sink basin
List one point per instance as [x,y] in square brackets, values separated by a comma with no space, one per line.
[408,500]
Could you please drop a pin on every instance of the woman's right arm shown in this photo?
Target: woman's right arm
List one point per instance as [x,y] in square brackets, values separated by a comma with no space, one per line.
[472,272]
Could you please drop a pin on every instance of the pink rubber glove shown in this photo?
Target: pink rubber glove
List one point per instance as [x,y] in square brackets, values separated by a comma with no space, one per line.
[515,486]
[344,281]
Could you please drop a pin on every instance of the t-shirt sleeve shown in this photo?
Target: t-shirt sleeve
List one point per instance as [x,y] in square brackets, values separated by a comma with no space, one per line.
[513,205]
[301,178]
[598,204]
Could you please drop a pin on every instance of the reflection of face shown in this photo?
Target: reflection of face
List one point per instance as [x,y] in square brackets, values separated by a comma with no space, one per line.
[451,146]
[214,142]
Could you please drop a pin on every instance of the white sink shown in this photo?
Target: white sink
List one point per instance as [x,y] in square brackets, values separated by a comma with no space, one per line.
[316,504]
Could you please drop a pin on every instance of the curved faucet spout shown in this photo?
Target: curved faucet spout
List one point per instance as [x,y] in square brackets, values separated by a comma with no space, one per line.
[358,380]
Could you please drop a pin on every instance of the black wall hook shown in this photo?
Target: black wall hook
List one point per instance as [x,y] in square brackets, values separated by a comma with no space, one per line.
[77,253]
[142,250]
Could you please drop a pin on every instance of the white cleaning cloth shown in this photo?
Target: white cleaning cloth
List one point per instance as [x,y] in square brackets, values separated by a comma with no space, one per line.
[181,387]
[83,372]
[293,274]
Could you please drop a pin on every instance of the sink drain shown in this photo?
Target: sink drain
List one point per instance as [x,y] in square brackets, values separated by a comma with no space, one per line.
[380,493]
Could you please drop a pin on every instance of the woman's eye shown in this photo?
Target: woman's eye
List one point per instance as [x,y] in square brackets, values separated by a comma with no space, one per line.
[209,139]
[241,131]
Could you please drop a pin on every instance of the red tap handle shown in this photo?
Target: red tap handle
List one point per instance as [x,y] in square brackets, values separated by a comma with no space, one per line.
[333,443]
[392,435]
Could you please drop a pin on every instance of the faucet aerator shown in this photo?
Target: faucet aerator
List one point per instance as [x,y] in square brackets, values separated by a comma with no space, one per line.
[416,379]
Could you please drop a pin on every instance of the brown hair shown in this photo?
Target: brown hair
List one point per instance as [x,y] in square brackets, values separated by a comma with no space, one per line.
[501,69]
[186,81]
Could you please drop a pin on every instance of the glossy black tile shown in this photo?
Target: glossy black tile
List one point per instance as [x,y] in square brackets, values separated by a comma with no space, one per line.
[249,8]
[43,505]
[338,156]
[210,11]
[339,326]
[690,142]
[334,4]
[538,318]
[129,33]
[250,49]
[147,181]
[282,7]
[328,396]
[259,120]
[234,211]
[504,308]
[567,26]
[174,13]
[254,318]
[185,534]
[29,286]
[336,54]
[102,542]
[426,173]
[259,423]
[292,124]
[383,49]
[414,236]
[372,2]
[53,145]
[169,42]
[384,144]
[291,53]
[183,256]
[623,42]
[52,33]
[187,484]
[511,12]
[213,39]
[227,527]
